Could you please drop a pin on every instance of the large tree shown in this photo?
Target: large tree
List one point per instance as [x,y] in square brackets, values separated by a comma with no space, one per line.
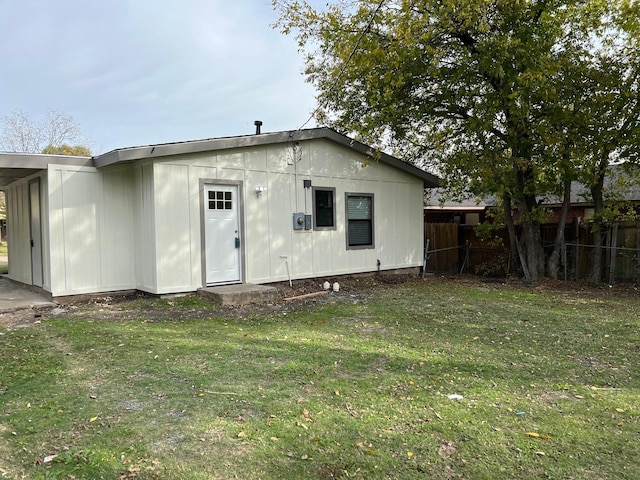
[478,87]
[25,135]
[613,124]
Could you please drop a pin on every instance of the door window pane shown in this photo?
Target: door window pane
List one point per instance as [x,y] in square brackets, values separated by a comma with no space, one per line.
[219,200]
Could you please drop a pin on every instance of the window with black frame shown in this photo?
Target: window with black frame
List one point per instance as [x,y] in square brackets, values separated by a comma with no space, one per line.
[324,217]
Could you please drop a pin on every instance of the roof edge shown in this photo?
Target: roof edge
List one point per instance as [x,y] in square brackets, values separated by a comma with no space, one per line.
[41,161]
[131,154]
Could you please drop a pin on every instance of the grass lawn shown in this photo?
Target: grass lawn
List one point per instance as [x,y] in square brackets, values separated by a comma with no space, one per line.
[355,388]
[4,266]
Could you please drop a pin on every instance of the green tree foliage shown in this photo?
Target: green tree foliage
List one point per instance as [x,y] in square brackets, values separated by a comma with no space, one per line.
[64,149]
[494,93]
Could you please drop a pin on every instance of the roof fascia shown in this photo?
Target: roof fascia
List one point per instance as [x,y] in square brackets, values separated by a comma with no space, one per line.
[214,144]
[430,181]
[38,161]
[181,148]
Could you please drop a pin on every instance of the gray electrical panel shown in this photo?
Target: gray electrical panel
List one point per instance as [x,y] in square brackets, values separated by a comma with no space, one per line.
[298,221]
[308,223]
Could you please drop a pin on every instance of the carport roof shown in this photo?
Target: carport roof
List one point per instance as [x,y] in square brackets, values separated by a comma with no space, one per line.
[14,166]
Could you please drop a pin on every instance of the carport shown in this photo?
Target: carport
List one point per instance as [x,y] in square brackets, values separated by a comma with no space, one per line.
[26,211]
[14,297]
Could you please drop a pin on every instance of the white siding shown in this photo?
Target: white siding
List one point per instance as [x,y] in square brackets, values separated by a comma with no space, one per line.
[272,250]
[117,234]
[144,221]
[140,225]
[90,230]
[18,235]
[174,230]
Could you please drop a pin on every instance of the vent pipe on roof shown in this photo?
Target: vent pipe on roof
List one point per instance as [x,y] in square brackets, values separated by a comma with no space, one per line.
[258,124]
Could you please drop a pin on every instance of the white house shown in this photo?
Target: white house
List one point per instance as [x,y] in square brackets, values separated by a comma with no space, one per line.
[177,217]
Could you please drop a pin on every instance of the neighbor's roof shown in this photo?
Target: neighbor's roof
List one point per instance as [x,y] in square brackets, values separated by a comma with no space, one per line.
[19,165]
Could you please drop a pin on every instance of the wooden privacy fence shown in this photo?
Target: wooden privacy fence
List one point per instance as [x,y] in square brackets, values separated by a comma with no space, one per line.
[451,248]
[441,248]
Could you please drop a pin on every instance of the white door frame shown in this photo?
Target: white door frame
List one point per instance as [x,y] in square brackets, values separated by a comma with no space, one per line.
[35,233]
[205,186]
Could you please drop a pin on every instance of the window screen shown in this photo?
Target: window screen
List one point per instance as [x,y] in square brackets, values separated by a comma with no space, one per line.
[359,220]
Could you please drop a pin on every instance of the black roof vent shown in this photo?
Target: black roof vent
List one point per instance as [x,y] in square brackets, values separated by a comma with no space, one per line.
[258,124]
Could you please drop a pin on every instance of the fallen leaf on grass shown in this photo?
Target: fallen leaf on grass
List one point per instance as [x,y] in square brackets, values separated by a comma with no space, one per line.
[93,419]
[537,435]
[409,454]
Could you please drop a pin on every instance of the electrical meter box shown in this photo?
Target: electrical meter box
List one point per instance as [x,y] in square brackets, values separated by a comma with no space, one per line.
[298,221]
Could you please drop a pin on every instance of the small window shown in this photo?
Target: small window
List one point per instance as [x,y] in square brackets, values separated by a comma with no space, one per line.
[220,200]
[324,217]
[359,209]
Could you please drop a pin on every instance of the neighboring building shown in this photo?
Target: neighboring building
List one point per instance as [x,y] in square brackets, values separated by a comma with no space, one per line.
[450,229]
[177,217]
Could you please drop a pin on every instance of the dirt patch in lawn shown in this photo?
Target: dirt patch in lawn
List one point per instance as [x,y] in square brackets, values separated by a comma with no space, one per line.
[352,289]
[154,308]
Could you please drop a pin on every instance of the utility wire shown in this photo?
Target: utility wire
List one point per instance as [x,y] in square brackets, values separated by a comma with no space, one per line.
[346,63]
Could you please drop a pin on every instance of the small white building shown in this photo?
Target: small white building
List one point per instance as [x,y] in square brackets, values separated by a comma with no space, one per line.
[177,217]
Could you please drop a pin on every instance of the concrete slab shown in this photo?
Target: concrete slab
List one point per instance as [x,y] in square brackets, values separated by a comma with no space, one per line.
[241,294]
[13,297]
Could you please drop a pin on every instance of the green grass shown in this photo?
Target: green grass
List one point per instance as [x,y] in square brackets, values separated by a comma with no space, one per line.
[4,266]
[342,390]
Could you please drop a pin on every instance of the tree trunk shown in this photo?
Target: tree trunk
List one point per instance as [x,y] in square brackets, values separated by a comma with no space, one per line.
[514,248]
[531,244]
[553,264]
[595,270]
[531,249]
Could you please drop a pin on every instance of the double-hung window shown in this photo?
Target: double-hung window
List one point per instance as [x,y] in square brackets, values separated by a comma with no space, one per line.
[359,215]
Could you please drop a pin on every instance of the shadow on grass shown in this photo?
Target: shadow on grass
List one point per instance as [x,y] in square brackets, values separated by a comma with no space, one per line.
[334,392]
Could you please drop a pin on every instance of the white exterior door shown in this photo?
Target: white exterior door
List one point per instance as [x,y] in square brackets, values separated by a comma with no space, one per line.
[36,233]
[222,234]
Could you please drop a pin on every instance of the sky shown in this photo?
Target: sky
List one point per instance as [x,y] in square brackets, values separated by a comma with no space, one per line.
[142,72]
